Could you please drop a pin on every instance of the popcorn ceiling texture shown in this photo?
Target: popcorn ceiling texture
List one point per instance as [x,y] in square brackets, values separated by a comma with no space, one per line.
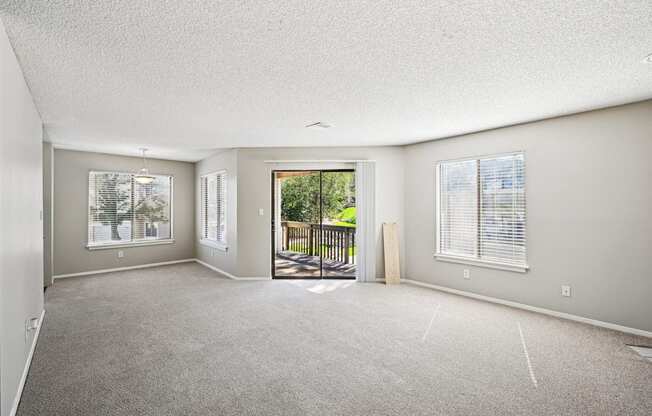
[186,77]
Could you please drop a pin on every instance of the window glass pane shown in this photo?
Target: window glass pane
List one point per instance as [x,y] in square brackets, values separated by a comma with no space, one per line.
[122,210]
[482,209]
[211,208]
[213,197]
[152,209]
[221,207]
[458,208]
[109,207]
[204,231]
[502,213]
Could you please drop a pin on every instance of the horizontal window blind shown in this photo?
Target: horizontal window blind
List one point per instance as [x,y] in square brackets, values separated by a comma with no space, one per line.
[122,210]
[204,206]
[152,209]
[459,208]
[481,209]
[213,207]
[502,209]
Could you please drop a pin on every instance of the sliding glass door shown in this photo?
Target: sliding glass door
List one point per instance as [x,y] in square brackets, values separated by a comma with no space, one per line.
[313,224]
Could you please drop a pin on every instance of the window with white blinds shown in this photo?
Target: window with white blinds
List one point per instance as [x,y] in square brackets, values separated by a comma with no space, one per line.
[122,211]
[213,208]
[481,210]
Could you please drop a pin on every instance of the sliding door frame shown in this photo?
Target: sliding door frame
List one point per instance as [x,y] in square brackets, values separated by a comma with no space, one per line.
[321,226]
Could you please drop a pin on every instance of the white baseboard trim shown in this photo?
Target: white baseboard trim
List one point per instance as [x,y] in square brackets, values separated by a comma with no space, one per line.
[227,274]
[253,278]
[563,315]
[117,269]
[28,362]
[215,269]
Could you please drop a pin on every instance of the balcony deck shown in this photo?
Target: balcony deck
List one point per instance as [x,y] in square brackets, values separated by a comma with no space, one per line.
[297,265]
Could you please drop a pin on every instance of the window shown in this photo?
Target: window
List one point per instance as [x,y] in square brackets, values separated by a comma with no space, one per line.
[213,209]
[123,211]
[481,210]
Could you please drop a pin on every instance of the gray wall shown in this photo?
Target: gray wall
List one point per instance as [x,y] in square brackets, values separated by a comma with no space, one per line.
[249,189]
[254,192]
[21,230]
[589,199]
[224,260]
[71,212]
[48,187]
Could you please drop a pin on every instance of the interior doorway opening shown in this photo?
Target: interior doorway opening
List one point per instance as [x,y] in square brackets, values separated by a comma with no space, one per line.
[314,224]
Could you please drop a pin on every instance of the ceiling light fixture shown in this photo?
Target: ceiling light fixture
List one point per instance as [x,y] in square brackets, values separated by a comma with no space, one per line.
[320,124]
[143,176]
[648,59]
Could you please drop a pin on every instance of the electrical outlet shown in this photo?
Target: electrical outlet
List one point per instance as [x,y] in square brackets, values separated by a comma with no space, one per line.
[121,254]
[30,325]
[261,212]
[566,291]
[467,274]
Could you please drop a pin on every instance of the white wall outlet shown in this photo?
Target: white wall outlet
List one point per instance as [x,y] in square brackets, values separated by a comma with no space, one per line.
[261,212]
[467,274]
[121,254]
[565,290]
[30,325]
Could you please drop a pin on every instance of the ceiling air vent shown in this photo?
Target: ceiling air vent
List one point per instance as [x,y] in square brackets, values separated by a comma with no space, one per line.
[319,124]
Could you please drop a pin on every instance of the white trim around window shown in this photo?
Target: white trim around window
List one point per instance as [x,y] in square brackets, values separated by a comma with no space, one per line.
[131,244]
[213,244]
[480,215]
[213,205]
[481,263]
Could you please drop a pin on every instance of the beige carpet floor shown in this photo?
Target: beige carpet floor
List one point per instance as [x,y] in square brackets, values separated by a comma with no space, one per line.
[182,340]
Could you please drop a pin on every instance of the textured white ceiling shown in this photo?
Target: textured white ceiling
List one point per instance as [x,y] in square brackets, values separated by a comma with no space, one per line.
[186,77]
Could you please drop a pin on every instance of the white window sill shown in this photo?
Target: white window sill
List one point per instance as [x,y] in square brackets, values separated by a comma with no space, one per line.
[129,244]
[214,244]
[481,263]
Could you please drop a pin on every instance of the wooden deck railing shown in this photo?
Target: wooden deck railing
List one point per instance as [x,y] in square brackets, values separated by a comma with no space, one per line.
[336,242]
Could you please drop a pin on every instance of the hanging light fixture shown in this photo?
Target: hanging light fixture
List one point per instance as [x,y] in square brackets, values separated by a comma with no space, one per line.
[143,175]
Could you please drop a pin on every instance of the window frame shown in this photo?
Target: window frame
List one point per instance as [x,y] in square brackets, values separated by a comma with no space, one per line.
[476,261]
[220,245]
[132,242]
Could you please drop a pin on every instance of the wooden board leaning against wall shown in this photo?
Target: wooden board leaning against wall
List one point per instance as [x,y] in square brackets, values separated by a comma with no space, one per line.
[391,251]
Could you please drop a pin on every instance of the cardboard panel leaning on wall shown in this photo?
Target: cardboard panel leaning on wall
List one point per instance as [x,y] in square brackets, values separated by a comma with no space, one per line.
[71,212]
[589,198]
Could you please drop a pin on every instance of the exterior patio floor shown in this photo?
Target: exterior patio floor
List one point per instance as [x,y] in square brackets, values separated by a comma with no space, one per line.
[298,265]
